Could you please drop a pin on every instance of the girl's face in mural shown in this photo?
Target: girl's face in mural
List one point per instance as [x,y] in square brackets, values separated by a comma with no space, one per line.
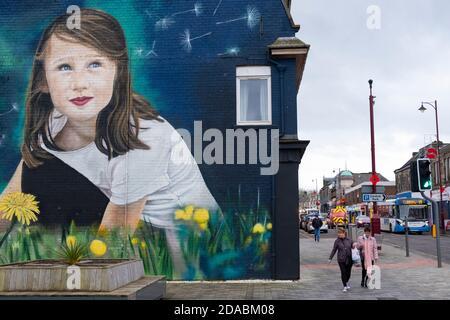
[80,79]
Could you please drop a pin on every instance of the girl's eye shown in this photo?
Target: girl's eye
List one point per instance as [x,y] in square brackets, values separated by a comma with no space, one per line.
[64,67]
[95,65]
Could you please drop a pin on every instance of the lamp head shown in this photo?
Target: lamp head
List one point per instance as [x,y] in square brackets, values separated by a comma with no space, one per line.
[422,108]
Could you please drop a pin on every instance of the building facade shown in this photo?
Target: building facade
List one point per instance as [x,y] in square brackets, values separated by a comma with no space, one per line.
[225,77]
[345,188]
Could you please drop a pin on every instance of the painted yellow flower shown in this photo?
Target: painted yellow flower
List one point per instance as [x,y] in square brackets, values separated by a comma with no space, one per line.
[203,226]
[134,241]
[71,241]
[22,206]
[180,214]
[98,248]
[143,245]
[102,232]
[201,215]
[269,226]
[189,211]
[258,228]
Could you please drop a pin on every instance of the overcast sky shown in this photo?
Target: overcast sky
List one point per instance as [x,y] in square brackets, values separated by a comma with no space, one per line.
[409,60]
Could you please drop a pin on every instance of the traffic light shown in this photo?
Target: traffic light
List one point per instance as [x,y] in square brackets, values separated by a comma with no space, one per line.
[420,174]
[424,174]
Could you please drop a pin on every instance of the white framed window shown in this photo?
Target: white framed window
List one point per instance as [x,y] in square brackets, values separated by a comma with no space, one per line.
[253,95]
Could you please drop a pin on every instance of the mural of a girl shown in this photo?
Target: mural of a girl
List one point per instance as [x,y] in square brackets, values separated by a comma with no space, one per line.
[90,140]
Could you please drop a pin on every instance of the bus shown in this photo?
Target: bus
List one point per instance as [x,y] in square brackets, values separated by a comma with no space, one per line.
[393,213]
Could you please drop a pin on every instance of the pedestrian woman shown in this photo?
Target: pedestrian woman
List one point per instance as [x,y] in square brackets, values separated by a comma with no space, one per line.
[368,248]
[343,246]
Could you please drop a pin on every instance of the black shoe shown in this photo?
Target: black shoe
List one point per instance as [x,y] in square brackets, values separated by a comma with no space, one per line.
[362,284]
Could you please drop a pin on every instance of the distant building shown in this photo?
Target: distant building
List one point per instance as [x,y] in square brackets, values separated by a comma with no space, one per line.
[335,189]
[403,177]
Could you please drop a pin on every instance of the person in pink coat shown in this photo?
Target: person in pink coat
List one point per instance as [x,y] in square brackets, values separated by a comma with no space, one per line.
[369,253]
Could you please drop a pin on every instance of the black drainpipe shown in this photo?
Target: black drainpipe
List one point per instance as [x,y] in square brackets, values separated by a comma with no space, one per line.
[281,70]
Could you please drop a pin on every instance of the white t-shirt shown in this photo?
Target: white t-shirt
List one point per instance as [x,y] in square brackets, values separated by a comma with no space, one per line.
[166,173]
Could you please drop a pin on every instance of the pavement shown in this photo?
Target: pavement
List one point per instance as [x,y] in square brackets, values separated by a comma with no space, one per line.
[402,278]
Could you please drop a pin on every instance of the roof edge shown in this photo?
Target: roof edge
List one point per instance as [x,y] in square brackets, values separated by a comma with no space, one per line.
[287,8]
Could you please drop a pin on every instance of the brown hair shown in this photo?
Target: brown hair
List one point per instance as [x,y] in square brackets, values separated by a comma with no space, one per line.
[341,230]
[117,124]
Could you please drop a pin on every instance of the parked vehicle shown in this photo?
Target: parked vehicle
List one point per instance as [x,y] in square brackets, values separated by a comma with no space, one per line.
[323,228]
[305,221]
[362,221]
[326,219]
[338,217]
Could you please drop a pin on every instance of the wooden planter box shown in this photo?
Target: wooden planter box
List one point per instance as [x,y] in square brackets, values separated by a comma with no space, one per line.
[101,275]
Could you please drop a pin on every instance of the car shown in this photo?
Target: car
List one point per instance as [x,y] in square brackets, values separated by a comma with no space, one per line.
[310,228]
[362,221]
[326,218]
[304,220]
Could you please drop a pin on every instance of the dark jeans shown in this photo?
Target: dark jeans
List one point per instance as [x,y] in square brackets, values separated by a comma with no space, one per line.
[317,234]
[364,271]
[346,272]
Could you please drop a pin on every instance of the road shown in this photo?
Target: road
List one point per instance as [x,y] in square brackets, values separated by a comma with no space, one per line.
[424,243]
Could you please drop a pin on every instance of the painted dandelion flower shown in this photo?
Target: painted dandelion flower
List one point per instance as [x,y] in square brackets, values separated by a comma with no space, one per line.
[258,228]
[201,216]
[21,206]
[71,241]
[98,248]
[203,226]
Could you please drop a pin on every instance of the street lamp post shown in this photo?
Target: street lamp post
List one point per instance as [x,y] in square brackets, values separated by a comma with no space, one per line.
[423,109]
[375,220]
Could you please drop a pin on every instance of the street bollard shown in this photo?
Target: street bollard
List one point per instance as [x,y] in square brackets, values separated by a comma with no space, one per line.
[406,237]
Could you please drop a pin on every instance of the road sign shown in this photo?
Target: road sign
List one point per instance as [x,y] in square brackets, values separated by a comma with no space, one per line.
[374,179]
[431,153]
[373,197]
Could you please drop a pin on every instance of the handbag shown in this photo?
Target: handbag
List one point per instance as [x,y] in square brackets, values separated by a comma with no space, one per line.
[356,257]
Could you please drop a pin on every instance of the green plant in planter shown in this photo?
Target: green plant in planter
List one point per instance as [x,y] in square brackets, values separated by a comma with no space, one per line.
[72,251]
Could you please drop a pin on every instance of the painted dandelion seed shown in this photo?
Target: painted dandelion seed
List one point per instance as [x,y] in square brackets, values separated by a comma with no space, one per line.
[164,23]
[152,51]
[197,10]
[138,51]
[186,39]
[252,18]
[231,52]
[14,107]
[217,8]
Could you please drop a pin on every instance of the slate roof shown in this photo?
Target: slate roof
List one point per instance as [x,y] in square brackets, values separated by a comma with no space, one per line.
[288,42]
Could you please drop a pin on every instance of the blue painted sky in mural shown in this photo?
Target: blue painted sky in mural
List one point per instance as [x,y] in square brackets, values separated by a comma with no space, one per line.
[183,56]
